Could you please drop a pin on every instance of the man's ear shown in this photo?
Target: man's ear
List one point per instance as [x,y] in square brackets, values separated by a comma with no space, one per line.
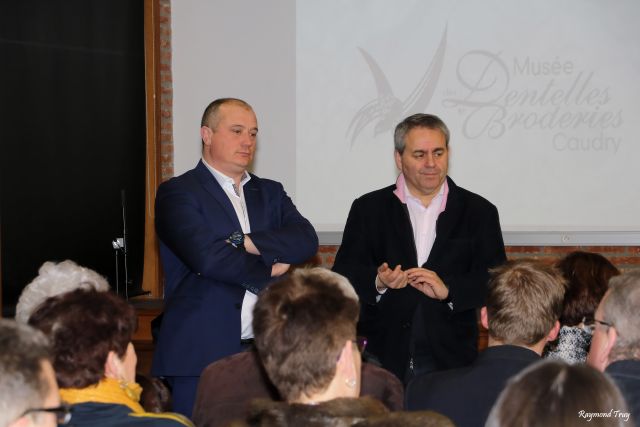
[484,319]
[553,333]
[346,358]
[398,158]
[612,337]
[205,135]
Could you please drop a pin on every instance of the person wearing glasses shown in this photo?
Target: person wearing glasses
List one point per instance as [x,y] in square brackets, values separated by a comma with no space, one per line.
[94,360]
[587,276]
[521,315]
[305,335]
[28,390]
[615,347]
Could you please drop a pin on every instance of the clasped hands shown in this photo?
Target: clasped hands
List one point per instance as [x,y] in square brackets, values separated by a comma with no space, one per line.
[426,281]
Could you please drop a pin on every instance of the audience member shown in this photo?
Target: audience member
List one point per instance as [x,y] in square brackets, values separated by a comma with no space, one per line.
[28,389]
[587,275]
[305,331]
[615,348]
[552,393]
[55,279]
[155,396]
[521,314]
[94,358]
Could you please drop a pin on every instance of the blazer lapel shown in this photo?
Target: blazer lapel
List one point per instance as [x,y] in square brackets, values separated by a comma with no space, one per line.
[211,186]
[446,222]
[255,204]
[404,231]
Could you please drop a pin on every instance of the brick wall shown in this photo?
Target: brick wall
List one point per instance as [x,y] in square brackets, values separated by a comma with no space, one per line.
[624,257]
[166,92]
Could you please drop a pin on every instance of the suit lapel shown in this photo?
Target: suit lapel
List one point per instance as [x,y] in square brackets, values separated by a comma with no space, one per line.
[211,186]
[255,204]
[404,230]
[446,222]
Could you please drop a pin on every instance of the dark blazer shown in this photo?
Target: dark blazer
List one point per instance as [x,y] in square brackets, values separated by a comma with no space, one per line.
[626,374]
[468,242]
[206,277]
[466,395]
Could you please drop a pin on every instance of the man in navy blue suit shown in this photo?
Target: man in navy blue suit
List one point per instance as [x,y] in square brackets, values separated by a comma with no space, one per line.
[224,234]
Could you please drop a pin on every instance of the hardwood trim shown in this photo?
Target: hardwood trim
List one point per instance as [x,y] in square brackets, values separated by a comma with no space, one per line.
[152,275]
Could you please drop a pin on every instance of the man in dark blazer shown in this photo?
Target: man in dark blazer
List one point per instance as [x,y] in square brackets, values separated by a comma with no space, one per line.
[523,307]
[615,346]
[224,234]
[418,253]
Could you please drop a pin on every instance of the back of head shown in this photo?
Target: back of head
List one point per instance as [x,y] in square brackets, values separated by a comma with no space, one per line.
[620,307]
[587,275]
[23,385]
[301,324]
[54,279]
[552,393]
[524,301]
[84,326]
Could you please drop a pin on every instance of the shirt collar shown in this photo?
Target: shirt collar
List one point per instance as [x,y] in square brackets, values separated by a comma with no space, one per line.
[402,192]
[223,179]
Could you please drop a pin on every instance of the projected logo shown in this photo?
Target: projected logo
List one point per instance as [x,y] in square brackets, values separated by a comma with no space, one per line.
[386,110]
[556,98]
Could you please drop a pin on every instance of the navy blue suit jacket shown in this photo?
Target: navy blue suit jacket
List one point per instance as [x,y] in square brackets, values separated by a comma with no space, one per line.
[206,277]
[626,374]
[466,395]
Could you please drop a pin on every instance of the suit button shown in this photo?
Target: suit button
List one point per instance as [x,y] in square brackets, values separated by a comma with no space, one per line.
[405,325]
[238,305]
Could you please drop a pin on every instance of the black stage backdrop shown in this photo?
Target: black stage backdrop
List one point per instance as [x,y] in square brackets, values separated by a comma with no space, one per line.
[72,135]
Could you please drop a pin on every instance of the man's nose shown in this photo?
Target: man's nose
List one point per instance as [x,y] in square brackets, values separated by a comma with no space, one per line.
[429,160]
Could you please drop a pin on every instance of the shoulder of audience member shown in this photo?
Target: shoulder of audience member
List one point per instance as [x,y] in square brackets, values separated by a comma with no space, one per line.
[168,419]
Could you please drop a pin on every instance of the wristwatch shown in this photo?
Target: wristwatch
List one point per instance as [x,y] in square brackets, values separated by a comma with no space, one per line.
[237,239]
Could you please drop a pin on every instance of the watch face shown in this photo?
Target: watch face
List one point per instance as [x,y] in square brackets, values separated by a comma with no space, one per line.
[236,238]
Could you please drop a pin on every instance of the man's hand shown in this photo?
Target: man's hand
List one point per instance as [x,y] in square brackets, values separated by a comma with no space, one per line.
[279,268]
[427,282]
[394,279]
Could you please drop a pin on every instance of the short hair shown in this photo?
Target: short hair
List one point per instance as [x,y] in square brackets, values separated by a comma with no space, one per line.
[524,301]
[301,324]
[553,393]
[421,120]
[587,276]
[84,326]
[22,382]
[620,308]
[211,118]
[54,279]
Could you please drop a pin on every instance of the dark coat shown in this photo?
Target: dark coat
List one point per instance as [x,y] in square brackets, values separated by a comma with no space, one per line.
[468,243]
[206,277]
[466,395]
[362,412]
[91,414]
[626,374]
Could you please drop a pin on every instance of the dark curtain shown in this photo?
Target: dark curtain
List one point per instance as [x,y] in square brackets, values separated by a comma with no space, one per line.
[72,136]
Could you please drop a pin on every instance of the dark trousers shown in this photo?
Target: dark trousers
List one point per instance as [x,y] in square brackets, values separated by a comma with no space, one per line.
[183,392]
